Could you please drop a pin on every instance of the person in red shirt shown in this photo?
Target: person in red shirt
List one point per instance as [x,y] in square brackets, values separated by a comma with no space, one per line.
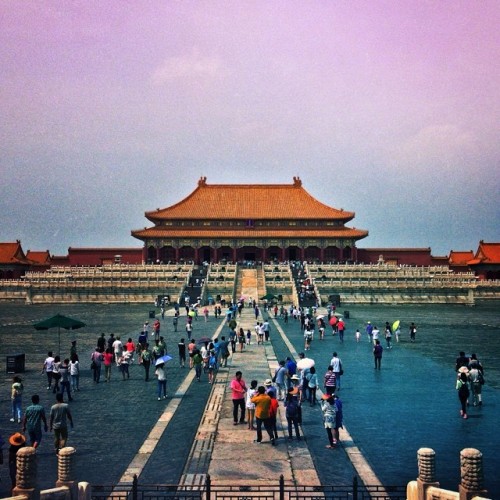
[238,391]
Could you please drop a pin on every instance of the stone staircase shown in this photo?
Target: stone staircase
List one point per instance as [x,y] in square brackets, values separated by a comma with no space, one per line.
[248,284]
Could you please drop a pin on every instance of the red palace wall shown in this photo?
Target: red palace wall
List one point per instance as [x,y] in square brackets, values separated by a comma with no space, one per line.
[398,256]
[100,256]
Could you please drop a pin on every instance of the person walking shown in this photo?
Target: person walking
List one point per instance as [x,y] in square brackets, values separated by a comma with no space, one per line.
[238,391]
[65,379]
[251,406]
[375,334]
[48,368]
[377,354]
[388,335]
[336,364]
[329,418]
[369,331]
[312,381]
[413,332]
[33,418]
[74,373]
[463,392]
[329,381]
[182,353]
[162,380]
[280,380]
[197,364]
[59,417]
[145,358]
[292,404]
[262,403]
[108,358]
[213,365]
[96,362]
[339,417]
[16,396]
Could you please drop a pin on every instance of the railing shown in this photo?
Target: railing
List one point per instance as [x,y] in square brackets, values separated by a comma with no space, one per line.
[273,491]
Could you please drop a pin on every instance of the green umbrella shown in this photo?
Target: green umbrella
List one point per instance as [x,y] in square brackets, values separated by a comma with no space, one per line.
[59,321]
[269,296]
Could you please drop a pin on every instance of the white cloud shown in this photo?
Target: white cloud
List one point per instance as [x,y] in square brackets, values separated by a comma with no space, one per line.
[188,67]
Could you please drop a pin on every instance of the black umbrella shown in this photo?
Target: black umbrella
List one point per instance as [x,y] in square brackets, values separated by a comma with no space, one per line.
[59,321]
[269,296]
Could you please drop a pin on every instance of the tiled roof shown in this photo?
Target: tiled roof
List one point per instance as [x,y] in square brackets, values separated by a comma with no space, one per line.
[170,232]
[249,201]
[460,258]
[38,257]
[487,253]
[12,253]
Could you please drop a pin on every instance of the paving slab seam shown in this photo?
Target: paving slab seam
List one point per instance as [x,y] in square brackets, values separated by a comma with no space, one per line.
[355,455]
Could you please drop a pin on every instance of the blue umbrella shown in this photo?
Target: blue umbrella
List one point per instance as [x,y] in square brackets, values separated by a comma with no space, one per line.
[163,359]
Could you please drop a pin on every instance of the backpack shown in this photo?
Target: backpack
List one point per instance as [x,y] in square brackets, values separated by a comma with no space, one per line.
[463,390]
[212,363]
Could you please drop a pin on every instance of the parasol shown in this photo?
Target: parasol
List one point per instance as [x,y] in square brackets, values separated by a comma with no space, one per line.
[59,321]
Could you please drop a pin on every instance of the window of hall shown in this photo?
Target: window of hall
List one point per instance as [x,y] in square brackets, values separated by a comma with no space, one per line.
[292,223]
[206,223]
[250,223]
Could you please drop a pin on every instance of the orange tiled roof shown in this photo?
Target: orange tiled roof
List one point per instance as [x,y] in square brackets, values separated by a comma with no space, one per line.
[38,257]
[487,253]
[12,253]
[249,201]
[175,232]
[460,258]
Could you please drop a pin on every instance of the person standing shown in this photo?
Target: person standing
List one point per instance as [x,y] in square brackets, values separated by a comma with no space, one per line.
[59,417]
[161,375]
[388,335]
[280,380]
[369,331]
[238,391]
[117,350]
[251,406]
[48,368]
[339,417]
[72,349]
[377,354]
[476,380]
[341,329]
[292,404]
[175,320]
[74,372]
[182,353]
[336,364]
[56,376]
[146,357]
[224,351]
[16,441]
[413,332]
[213,365]
[197,364]
[262,403]
[375,334]
[96,360]
[329,418]
[32,421]
[108,358]
[312,382]
[16,396]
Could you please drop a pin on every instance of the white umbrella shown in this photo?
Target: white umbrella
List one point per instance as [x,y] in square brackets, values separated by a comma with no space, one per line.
[304,363]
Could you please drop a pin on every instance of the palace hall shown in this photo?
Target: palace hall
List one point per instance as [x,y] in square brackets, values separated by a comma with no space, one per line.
[249,222]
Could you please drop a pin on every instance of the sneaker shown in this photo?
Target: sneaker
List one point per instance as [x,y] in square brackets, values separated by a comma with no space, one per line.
[12,420]
[257,442]
[165,397]
[159,399]
[465,415]
[273,442]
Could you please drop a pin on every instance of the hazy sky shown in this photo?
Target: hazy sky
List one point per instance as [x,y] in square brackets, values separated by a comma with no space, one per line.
[109,109]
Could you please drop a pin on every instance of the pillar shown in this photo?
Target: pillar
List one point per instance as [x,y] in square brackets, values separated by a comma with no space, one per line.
[264,254]
[234,255]
[66,470]
[177,254]
[471,474]
[322,255]
[302,254]
[196,259]
[283,254]
[215,255]
[144,254]
[426,458]
[157,254]
[26,473]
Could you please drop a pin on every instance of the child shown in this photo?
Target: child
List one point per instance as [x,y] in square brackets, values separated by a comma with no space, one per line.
[212,366]
[358,335]
[249,336]
[251,406]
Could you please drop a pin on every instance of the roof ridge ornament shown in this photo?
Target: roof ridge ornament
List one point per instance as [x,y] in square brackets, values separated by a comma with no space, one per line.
[297,182]
[202,181]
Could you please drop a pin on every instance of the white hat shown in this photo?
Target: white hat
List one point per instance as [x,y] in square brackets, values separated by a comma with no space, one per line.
[268,382]
[295,377]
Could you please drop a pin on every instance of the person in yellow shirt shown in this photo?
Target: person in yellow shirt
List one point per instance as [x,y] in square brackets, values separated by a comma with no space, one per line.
[262,414]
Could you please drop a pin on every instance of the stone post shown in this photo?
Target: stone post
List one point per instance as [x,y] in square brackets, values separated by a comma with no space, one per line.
[471,474]
[65,470]
[426,471]
[26,474]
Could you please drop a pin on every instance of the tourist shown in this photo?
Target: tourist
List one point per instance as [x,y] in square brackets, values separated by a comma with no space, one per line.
[16,396]
[56,376]
[308,337]
[262,403]
[273,412]
[375,334]
[117,350]
[145,358]
[48,367]
[397,333]
[74,372]
[280,380]
[59,417]
[329,410]
[124,363]
[224,351]
[357,335]
[181,346]
[291,370]
[108,358]
[377,354]
[32,421]
[251,406]
[339,417]
[213,365]
[329,380]
[65,379]
[241,339]
[96,361]
[462,360]
[413,331]
[161,375]
[337,369]
[175,320]
[238,391]
[162,345]
[189,330]
[191,348]
[101,342]
[268,384]
[205,313]
[292,405]
[312,384]
[197,364]
[266,328]
[142,339]
[156,329]
[16,441]
[130,348]
[463,392]
[369,331]
[388,335]
[341,329]
[476,380]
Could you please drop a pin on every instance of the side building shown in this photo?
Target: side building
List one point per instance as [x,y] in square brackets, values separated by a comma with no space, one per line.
[249,222]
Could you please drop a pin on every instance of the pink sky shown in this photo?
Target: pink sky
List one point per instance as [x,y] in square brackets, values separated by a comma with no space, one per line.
[111,109]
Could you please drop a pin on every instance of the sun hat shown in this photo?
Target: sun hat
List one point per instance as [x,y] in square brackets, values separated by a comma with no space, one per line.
[295,377]
[17,439]
[268,382]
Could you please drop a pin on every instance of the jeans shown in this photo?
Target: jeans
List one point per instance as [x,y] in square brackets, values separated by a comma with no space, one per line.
[75,382]
[147,365]
[97,373]
[238,403]
[295,422]
[162,387]
[197,369]
[16,407]
[66,387]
